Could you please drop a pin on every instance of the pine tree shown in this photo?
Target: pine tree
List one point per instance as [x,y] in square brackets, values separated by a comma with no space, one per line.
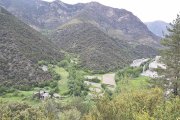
[171,57]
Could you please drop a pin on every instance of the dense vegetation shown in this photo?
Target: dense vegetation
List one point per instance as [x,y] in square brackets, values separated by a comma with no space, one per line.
[49,110]
[128,72]
[136,105]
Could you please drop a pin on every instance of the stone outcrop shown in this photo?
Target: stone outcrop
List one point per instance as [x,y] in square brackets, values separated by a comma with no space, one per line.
[155,64]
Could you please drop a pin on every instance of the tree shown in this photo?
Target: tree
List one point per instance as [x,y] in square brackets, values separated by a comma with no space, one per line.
[171,57]
[76,84]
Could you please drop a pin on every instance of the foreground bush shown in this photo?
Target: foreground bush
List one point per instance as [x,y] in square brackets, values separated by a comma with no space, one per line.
[20,111]
[145,105]
[137,105]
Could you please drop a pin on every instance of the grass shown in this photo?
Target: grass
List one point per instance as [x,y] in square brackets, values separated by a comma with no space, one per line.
[27,93]
[19,96]
[129,84]
[140,82]
[63,83]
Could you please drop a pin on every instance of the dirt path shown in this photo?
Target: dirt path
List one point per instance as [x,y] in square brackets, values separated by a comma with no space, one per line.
[109,79]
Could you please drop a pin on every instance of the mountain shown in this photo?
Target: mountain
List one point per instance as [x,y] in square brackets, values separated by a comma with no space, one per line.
[21,48]
[40,14]
[159,28]
[106,38]
[96,49]
[117,23]
[120,36]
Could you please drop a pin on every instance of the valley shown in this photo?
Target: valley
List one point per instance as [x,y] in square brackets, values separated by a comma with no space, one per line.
[127,79]
[86,61]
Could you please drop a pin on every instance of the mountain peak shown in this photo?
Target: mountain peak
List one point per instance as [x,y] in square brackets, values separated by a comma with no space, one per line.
[58,1]
[94,3]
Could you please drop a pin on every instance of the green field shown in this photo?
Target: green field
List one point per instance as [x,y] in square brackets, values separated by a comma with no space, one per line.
[130,84]
[20,96]
[64,79]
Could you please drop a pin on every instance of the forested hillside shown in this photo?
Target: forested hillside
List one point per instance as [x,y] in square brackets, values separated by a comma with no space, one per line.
[21,49]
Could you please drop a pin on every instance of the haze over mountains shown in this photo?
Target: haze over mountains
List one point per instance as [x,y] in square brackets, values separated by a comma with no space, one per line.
[159,28]
[105,38]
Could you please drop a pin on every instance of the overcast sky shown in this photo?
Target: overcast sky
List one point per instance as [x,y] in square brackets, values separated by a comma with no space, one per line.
[146,10]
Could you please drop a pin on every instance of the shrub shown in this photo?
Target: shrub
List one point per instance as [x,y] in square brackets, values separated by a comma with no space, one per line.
[95,80]
[128,72]
[103,86]
[3,90]
[23,87]
[16,93]
[56,76]
[72,114]
[42,62]
[11,90]
[53,84]
[44,84]
[56,90]
[20,111]
[63,63]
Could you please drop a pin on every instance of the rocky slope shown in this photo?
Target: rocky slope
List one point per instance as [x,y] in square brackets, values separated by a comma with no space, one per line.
[20,49]
[150,66]
[117,23]
[40,14]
